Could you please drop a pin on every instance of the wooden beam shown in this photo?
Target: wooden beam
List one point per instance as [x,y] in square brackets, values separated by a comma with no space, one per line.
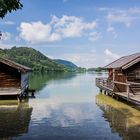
[121,83]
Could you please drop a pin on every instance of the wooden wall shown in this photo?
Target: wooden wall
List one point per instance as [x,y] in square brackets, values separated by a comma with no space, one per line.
[9,77]
[120,76]
[132,72]
[133,75]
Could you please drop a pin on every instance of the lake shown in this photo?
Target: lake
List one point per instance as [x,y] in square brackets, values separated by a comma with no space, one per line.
[68,106]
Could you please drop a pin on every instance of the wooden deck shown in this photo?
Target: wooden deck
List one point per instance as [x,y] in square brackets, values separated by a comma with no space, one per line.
[108,87]
[132,98]
[9,91]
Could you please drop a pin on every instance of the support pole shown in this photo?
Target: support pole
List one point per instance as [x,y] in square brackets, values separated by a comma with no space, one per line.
[100,90]
[19,98]
[127,90]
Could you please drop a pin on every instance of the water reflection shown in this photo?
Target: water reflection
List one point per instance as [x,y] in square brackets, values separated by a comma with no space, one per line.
[65,109]
[122,118]
[14,118]
[62,115]
[67,121]
[68,87]
[39,80]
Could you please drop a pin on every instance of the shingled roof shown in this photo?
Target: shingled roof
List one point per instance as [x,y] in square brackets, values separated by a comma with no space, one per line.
[15,65]
[125,61]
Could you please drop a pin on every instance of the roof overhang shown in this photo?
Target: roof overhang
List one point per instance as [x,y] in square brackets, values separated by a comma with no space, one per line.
[131,63]
[15,65]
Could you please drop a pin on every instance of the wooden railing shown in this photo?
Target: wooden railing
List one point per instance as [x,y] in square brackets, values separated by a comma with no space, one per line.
[105,84]
[134,87]
[125,84]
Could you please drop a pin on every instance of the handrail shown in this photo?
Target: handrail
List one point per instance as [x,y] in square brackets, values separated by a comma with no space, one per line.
[121,83]
[117,82]
[133,83]
[108,84]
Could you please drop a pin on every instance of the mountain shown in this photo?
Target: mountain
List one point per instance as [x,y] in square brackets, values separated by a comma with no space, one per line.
[31,58]
[69,65]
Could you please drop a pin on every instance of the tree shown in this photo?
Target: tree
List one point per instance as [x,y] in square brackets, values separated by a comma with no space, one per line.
[9,6]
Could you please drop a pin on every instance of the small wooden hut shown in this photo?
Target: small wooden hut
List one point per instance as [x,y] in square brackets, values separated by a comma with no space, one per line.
[13,77]
[123,76]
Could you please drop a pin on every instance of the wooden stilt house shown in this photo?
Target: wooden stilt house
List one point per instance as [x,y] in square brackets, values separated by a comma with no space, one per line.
[13,77]
[123,78]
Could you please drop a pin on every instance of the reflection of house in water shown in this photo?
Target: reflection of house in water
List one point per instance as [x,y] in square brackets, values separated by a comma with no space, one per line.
[122,118]
[14,119]
[13,77]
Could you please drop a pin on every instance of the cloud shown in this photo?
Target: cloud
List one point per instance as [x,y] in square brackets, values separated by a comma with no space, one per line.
[6,36]
[5,46]
[125,17]
[112,31]
[110,55]
[57,29]
[37,32]
[87,59]
[94,36]
[8,23]
[119,18]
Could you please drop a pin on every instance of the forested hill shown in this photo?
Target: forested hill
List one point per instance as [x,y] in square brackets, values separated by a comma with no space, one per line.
[69,65]
[31,58]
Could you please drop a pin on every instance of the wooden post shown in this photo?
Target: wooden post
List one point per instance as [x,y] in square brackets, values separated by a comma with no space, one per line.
[113,79]
[127,90]
[100,90]
[19,98]
[32,94]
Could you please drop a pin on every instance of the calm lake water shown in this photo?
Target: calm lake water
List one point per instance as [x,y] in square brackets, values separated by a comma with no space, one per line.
[68,107]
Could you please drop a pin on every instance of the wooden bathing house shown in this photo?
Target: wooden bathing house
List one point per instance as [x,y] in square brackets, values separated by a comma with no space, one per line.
[123,78]
[13,78]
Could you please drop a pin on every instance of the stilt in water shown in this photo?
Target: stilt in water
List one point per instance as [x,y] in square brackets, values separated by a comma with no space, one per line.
[100,90]
[19,98]
[105,92]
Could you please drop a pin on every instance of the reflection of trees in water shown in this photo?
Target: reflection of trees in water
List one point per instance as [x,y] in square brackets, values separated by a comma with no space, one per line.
[39,80]
[122,118]
[14,119]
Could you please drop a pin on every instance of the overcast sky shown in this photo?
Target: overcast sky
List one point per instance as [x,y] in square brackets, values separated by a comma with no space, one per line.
[89,33]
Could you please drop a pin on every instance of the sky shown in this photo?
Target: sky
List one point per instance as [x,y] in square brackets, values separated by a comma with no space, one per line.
[90,33]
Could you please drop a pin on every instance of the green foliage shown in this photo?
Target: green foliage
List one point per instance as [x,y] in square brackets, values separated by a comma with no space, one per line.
[80,69]
[69,65]
[9,6]
[31,58]
[98,69]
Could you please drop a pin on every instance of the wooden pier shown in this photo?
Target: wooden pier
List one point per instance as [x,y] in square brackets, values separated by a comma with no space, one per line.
[132,94]
[9,92]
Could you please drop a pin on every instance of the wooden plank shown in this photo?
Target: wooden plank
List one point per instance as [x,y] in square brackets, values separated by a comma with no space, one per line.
[133,83]
[121,83]
[9,91]
[132,98]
